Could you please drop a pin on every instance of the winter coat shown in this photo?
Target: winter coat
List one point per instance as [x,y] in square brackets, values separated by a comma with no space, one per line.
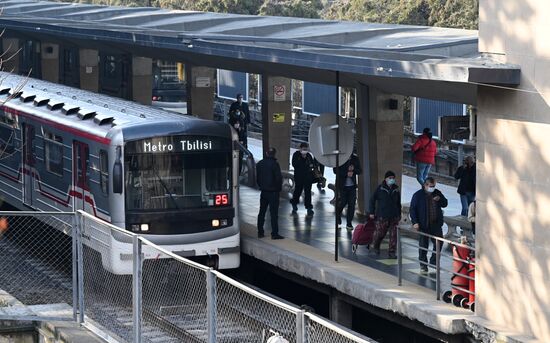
[342,171]
[303,167]
[424,150]
[385,202]
[419,209]
[467,178]
[268,175]
[241,131]
[245,113]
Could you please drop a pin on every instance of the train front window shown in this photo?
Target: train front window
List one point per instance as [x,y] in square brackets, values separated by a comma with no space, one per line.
[177,181]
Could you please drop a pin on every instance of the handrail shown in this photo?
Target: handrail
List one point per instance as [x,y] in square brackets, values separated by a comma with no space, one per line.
[438,253]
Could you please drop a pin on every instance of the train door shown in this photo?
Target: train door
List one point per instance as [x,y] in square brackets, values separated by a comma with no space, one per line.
[81,159]
[29,162]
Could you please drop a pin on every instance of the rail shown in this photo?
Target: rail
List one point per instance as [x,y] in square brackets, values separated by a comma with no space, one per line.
[461,259]
[132,290]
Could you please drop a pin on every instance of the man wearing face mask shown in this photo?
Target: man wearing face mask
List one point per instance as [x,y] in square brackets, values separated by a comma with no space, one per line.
[304,167]
[385,206]
[427,217]
[347,185]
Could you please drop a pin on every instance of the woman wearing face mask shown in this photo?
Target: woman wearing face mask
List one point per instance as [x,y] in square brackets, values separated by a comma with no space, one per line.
[427,217]
[385,206]
[303,164]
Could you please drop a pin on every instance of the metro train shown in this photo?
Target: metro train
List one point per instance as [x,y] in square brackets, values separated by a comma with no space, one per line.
[171,178]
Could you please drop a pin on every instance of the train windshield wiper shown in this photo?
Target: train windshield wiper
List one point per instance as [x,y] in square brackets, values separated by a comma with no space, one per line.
[165,188]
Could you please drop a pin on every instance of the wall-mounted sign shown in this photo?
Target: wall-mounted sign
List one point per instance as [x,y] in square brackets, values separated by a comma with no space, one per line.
[202,82]
[279,93]
[278,117]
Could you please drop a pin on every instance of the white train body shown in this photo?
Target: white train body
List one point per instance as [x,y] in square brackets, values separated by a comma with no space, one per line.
[169,177]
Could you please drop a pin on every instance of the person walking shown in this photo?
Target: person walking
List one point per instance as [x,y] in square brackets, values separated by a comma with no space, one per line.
[237,122]
[270,182]
[304,168]
[466,174]
[347,185]
[424,151]
[385,207]
[240,109]
[427,217]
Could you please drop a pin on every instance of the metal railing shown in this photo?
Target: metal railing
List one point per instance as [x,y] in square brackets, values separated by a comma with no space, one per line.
[127,289]
[37,266]
[457,261]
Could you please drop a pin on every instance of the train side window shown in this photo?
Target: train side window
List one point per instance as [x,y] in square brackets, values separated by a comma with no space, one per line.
[53,153]
[104,171]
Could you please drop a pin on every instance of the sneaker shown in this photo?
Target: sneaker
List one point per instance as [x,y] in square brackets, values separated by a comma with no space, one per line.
[423,269]
[294,207]
[276,236]
[261,234]
[310,213]
[349,228]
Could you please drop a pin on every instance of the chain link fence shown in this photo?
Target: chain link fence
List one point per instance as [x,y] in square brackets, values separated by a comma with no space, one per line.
[38,266]
[127,289]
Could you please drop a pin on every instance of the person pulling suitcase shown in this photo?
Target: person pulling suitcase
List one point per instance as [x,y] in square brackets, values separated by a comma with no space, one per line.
[385,206]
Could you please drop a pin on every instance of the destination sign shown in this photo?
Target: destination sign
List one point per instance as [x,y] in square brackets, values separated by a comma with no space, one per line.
[178,144]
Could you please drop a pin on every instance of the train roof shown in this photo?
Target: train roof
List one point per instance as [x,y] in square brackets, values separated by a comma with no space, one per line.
[95,113]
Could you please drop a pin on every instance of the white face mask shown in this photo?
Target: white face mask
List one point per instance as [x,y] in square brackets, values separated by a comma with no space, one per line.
[390,181]
[303,152]
[430,189]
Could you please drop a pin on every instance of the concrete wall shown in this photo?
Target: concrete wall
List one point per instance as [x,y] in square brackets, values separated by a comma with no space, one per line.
[513,181]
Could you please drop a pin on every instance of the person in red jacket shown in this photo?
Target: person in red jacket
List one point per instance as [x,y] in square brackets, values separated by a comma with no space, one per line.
[424,154]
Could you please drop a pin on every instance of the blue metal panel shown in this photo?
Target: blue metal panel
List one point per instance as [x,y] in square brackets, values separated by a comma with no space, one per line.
[231,83]
[319,98]
[427,113]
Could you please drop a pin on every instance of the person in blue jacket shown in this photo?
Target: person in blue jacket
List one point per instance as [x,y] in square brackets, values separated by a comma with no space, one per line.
[427,217]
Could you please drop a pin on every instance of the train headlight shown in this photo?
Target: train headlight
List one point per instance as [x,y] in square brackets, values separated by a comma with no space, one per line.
[215,222]
[144,227]
[223,222]
[134,227]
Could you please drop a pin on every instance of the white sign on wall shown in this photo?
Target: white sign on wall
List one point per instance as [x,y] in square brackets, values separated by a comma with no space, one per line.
[202,82]
[279,93]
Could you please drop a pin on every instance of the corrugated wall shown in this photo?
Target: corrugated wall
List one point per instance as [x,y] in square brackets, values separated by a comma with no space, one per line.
[427,113]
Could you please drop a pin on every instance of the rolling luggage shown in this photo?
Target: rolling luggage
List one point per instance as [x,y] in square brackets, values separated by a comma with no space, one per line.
[362,235]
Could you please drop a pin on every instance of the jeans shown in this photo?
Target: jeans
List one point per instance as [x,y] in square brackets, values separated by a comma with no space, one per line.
[270,199]
[422,171]
[423,242]
[348,196]
[466,200]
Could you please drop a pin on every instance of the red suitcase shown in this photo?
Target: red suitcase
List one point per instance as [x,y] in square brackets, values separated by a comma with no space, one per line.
[362,235]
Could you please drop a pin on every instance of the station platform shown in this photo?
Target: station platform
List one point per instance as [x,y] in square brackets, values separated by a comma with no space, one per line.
[308,251]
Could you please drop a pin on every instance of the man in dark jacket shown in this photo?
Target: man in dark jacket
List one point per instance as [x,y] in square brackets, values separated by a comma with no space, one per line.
[385,206]
[304,166]
[427,217]
[467,184]
[347,185]
[270,181]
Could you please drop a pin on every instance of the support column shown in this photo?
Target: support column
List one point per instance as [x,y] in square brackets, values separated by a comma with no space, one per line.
[380,148]
[341,312]
[10,57]
[50,62]
[142,80]
[277,117]
[200,91]
[89,71]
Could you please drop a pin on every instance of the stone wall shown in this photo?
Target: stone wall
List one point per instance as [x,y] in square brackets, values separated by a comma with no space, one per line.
[513,165]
